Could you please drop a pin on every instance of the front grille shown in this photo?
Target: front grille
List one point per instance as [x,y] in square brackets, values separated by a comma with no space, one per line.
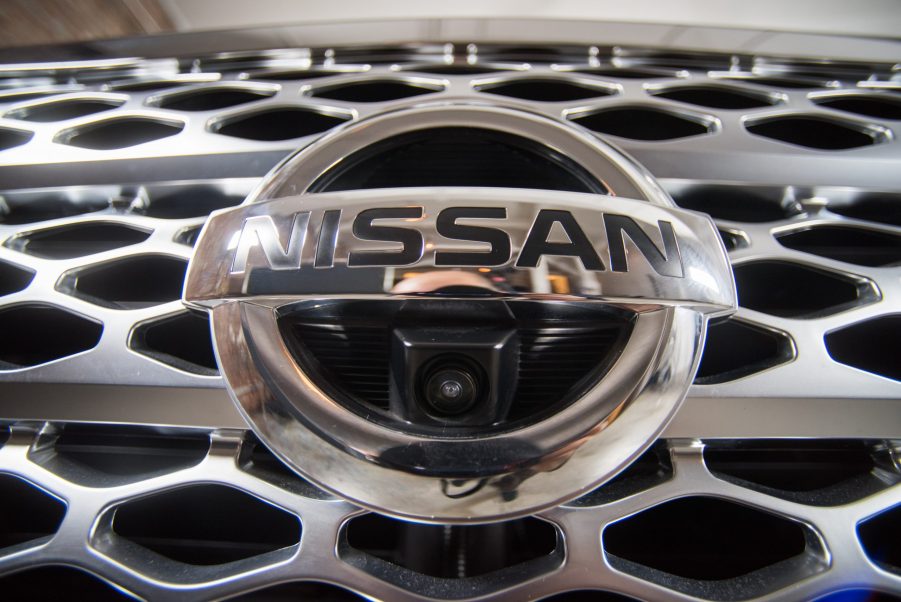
[778,478]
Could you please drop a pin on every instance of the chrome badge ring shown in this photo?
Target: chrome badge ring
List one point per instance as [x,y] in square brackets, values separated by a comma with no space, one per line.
[630,250]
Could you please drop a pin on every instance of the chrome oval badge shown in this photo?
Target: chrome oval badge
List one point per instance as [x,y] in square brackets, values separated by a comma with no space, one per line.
[459,354]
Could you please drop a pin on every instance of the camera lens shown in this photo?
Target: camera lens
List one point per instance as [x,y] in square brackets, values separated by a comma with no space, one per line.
[450,390]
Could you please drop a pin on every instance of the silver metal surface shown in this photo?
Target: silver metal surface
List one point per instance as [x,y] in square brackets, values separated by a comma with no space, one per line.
[583,444]
[809,396]
[569,453]
[83,540]
[728,141]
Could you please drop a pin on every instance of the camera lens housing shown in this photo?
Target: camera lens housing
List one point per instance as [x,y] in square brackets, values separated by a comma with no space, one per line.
[450,385]
[455,373]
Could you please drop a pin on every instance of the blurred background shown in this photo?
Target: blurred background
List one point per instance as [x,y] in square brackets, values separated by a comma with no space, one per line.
[34,22]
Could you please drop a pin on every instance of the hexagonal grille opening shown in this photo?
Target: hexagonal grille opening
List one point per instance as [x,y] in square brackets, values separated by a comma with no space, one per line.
[880,536]
[642,124]
[280,124]
[881,208]
[734,349]
[790,465]
[816,472]
[291,74]
[99,455]
[64,109]
[874,346]
[131,283]
[206,525]
[651,469]
[305,590]
[27,208]
[121,132]
[783,82]
[716,97]
[455,69]
[812,132]
[13,278]
[794,291]
[34,334]
[182,341]
[731,240]
[452,551]
[26,512]
[189,201]
[545,90]
[737,203]
[372,91]
[626,73]
[704,539]
[12,138]
[212,98]
[870,106]
[149,86]
[853,245]
[48,584]
[76,240]
[653,57]
[189,236]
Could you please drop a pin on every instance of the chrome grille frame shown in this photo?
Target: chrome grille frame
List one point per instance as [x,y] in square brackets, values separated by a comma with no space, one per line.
[844,403]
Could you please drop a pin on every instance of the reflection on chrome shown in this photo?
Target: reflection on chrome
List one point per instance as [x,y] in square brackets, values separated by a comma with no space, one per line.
[430,259]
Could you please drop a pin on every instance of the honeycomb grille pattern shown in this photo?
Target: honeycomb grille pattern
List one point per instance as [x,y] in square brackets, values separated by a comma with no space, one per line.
[118,261]
[270,103]
[106,168]
[123,527]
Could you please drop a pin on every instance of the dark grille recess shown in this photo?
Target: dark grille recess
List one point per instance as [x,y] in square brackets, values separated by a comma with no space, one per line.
[812,132]
[695,539]
[452,552]
[735,349]
[880,536]
[45,584]
[77,240]
[206,525]
[347,347]
[34,334]
[26,512]
[64,109]
[457,157]
[121,132]
[553,360]
[356,356]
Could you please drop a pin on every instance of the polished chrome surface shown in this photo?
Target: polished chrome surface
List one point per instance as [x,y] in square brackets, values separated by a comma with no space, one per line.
[381,467]
[810,395]
[230,263]
[84,539]
[578,447]
[201,147]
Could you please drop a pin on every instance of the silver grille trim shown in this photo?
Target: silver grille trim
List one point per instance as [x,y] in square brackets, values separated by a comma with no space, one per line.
[84,539]
[802,394]
[728,138]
